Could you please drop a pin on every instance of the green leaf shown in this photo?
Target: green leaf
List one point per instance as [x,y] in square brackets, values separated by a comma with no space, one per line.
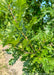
[12,61]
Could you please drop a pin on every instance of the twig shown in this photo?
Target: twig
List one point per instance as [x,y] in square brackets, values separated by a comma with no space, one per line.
[24,51]
[21,32]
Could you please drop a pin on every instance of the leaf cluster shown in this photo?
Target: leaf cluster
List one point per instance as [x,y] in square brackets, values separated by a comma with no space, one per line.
[28,26]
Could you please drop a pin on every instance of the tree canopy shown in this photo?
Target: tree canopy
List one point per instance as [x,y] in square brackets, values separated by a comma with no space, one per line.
[28,26]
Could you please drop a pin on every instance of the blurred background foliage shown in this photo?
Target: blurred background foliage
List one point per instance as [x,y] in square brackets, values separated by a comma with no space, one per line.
[28,25]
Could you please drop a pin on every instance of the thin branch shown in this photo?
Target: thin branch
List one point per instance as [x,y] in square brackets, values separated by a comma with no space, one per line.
[24,51]
[21,32]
